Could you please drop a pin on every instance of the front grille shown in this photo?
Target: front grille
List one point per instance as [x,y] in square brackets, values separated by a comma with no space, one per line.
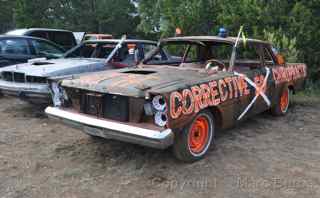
[36,79]
[107,106]
[92,104]
[7,76]
[116,108]
[19,77]
[14,77]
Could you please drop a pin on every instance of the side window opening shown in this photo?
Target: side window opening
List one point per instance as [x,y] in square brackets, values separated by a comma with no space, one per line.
[40,34]
[64,39]
[43,48]
[221,52]
[248,57]
[268,59]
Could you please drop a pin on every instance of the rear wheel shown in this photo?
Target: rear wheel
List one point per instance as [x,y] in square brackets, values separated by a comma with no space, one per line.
[193,142]
[283,103]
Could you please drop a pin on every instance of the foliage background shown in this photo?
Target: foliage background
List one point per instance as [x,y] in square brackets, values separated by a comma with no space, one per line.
[293,25]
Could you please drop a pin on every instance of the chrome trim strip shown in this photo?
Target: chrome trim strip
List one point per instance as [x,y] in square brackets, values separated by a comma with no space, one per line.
[123,129]
[24,87]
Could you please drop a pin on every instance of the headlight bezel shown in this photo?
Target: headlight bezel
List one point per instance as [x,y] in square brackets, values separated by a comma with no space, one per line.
[157,107]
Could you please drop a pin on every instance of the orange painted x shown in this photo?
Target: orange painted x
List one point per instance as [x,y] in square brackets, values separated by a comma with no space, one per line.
[261,85]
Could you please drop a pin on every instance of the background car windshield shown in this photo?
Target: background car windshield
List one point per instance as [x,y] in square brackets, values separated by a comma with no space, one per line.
[87,50]
[43,48]
[97,50]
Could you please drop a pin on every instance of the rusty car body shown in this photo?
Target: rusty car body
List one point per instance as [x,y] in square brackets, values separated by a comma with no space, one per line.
[30,81]
[212,83]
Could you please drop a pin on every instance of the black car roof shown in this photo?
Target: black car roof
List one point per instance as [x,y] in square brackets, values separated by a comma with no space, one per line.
[27,30]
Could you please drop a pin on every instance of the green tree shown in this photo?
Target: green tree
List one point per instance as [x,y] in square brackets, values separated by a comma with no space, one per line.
[6,15]
[193,16]
[33,13]
[97,16]
[298,20]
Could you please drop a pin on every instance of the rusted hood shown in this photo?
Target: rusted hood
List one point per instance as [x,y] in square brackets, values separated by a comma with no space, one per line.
[138,82]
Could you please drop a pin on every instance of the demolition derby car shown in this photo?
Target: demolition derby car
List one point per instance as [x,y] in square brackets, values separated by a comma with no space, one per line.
[30,81]
[211,84]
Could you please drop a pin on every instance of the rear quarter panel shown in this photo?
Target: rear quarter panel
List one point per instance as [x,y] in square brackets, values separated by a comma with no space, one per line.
[292,74]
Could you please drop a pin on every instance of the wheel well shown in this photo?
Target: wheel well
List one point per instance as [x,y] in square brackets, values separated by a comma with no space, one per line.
[217,117]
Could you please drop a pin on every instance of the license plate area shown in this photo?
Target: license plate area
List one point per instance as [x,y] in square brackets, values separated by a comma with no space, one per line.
[92,104]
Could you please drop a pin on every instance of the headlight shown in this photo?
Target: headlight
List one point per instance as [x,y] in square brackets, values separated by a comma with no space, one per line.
[161,119]
[157,108]
[159,103]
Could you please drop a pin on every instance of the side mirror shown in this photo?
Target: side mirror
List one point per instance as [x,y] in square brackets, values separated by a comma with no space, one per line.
[280,59]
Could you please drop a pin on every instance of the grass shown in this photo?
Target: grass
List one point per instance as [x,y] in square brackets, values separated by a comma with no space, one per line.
[310,95]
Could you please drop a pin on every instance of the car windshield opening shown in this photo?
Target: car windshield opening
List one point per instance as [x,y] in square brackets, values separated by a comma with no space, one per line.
[125,54]
[190,54]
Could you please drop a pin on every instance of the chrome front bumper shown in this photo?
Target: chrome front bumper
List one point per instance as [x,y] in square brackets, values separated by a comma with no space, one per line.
[28,91]
[114,130]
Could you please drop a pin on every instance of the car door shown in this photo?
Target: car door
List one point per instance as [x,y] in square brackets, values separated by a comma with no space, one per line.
[269,61]
[14,51]
[250,63]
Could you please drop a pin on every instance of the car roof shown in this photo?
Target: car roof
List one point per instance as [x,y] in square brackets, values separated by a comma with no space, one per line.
[230,40]
[27,30]
[118,40]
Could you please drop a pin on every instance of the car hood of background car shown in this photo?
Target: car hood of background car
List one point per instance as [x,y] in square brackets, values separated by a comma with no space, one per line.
[140,81]
[57,67]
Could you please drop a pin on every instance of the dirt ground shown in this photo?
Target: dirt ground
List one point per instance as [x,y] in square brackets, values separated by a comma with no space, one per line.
[263,157]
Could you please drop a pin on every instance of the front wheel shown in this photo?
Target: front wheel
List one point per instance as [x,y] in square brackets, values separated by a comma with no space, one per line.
[282,106]
[193,142]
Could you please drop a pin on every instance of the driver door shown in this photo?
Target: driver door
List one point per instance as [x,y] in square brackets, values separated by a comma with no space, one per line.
[250,63]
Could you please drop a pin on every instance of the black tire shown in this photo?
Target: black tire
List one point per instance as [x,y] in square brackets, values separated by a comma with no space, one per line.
[182,148]
[280,109]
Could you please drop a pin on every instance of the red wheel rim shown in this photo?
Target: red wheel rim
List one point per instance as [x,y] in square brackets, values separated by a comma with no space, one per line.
[199,134]
[284,101]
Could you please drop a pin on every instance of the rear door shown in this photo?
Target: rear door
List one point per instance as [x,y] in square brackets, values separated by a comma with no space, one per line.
[14,51]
